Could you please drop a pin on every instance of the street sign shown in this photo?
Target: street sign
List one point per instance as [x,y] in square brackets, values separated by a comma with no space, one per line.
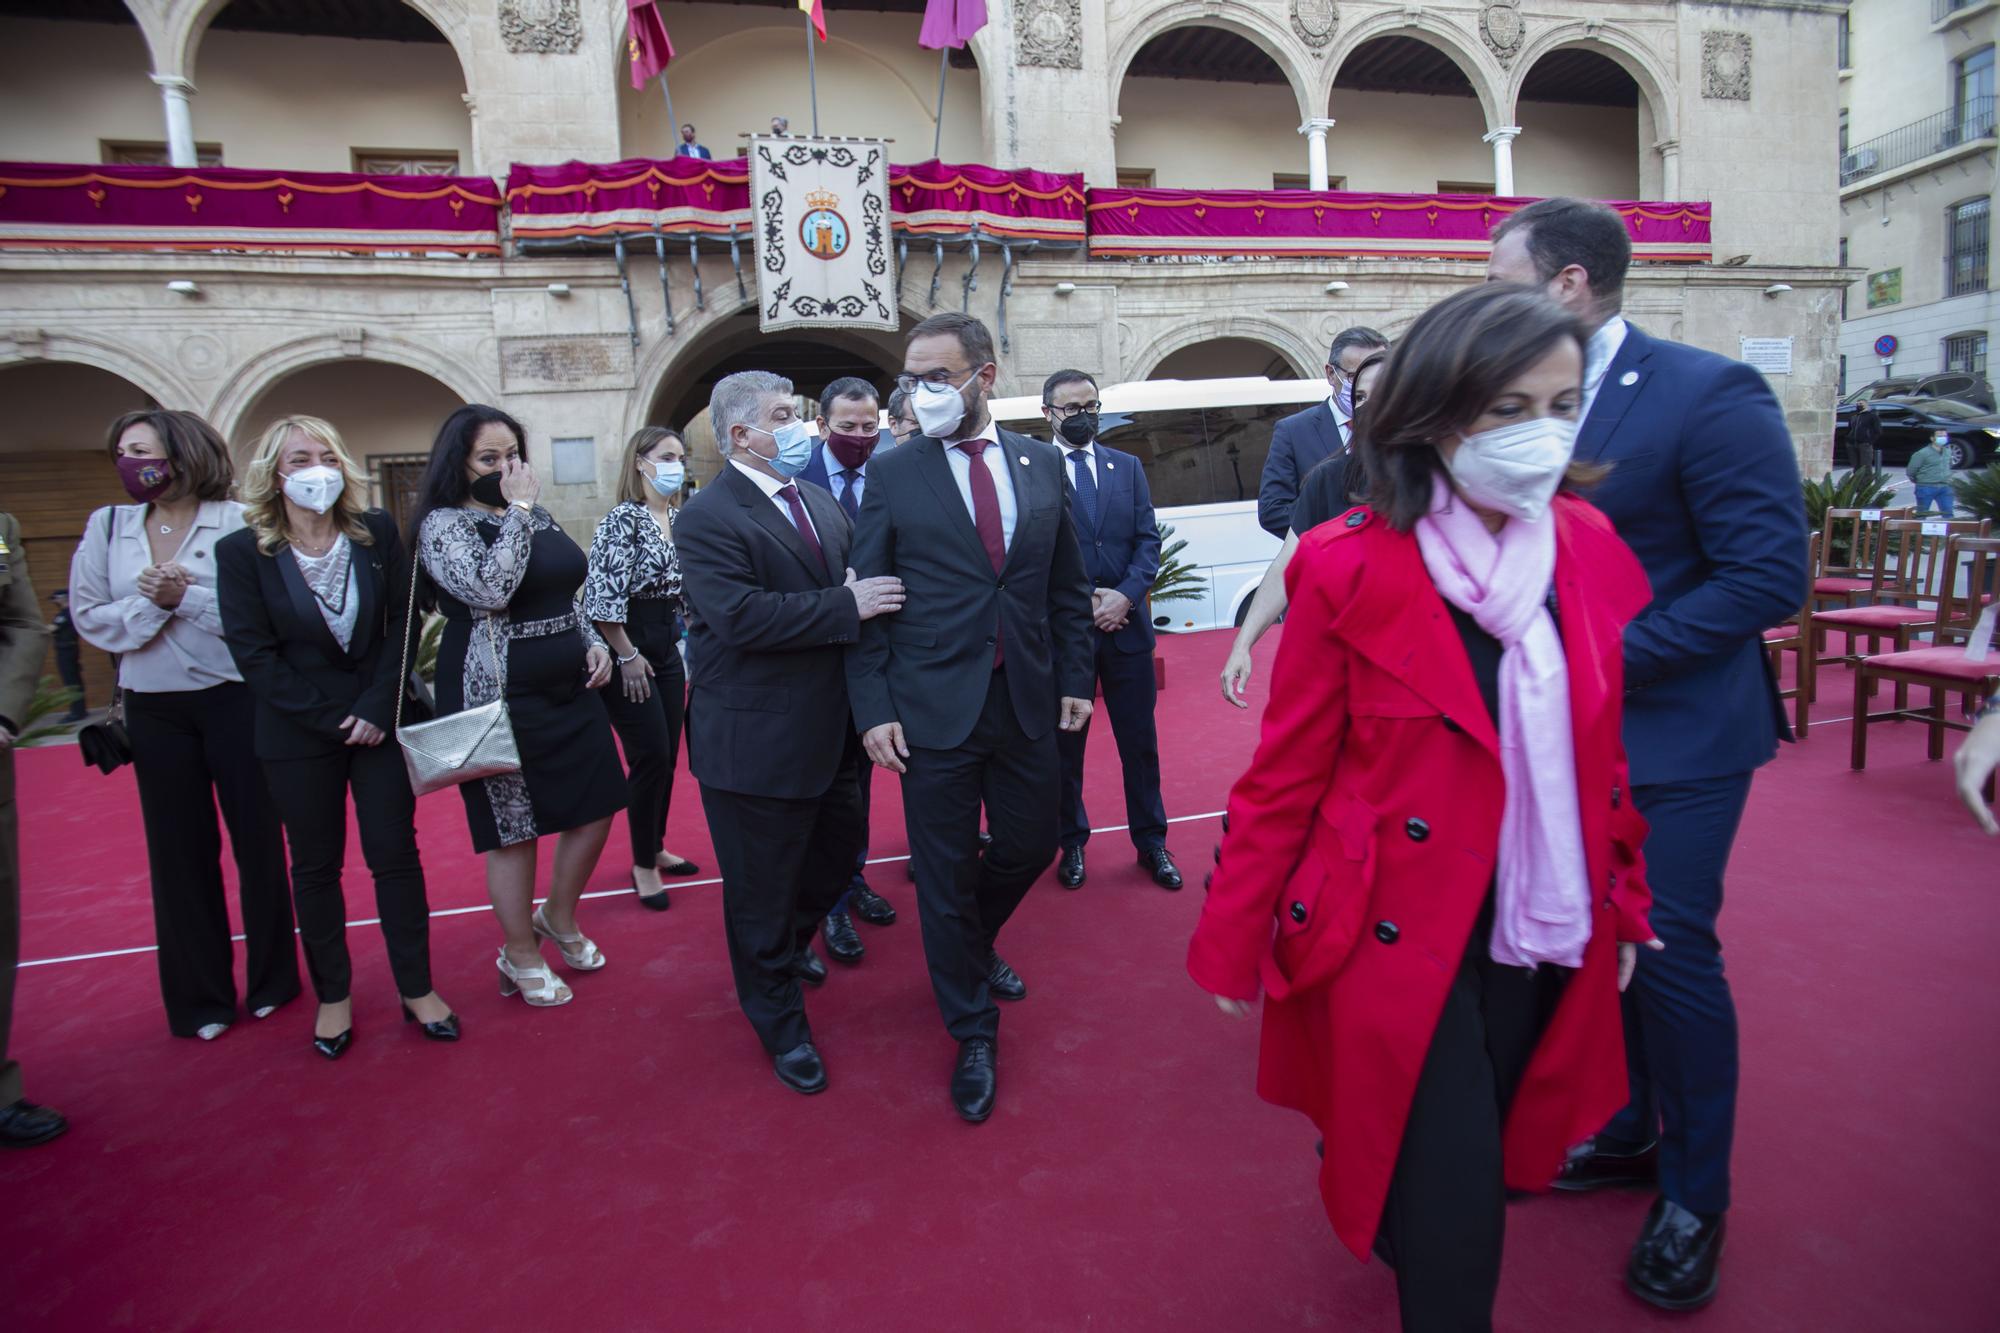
[1886,345]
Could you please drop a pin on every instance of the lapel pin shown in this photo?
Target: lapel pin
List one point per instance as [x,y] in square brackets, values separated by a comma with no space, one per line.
[1024,460]
[1629,378]
[1108,465]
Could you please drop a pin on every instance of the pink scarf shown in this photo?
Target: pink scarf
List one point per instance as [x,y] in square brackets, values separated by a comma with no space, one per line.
[1501,580]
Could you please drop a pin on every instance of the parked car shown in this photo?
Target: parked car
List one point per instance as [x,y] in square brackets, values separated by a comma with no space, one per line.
[1959,384]
[1908,422]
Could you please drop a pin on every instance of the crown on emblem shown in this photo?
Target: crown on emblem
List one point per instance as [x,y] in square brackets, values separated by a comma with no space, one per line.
[822,199]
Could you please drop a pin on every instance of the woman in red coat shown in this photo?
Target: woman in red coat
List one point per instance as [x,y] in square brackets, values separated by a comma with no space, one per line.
[1432,868]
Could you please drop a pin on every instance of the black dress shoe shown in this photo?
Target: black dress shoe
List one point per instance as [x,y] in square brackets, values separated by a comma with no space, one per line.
[871,906]
[1675,1264]
[807,967]
[25,1125]
[1003,980]
[334,1047]
[975,1081]
[1069,870]
[801,1069]
[656,902]
[679,870]
[985,841]
[1160,865]
[1597,1164]
[841,942]
[445,1029]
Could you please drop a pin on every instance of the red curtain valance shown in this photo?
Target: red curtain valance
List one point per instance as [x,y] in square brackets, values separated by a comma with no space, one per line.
[55,206]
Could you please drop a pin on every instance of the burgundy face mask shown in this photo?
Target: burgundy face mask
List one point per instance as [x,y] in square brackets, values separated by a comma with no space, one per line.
[852,450]
[146,479]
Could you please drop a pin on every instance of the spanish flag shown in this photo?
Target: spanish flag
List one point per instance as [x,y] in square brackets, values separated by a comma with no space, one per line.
[816,11]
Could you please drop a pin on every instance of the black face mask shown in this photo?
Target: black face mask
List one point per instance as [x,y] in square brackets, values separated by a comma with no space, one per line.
[1079,429]
[486,490]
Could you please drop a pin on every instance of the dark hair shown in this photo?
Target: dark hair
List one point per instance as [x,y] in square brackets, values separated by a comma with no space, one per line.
[444,485]
[974,339]
[201,464]
[847,386]
[1360,335]
[1062,377]
[1454,361]
[1355,479]
[898,404]
[1562,232]
[644,440]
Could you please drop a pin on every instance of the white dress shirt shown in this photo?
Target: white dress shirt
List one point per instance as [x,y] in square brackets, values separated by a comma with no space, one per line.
[1089,460]
[1598,354]
[771,486]
[837,483]
[1343,424]
[159,651]
[1003,478]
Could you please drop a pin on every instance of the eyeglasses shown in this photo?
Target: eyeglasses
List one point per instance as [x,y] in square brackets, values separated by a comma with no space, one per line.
[949,379]
[1064,413]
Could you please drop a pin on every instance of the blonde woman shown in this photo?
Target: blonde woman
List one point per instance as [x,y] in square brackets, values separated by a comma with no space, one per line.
[633,596]
[314,592]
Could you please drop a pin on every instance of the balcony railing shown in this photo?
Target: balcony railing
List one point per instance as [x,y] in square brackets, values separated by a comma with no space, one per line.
[1944,9]
[1933,134]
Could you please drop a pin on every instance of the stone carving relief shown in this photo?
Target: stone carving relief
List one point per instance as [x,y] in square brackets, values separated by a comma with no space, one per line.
[1315,21]
[1725,65]
[566,363]
[545,27]
[1500,23]
[1049,33]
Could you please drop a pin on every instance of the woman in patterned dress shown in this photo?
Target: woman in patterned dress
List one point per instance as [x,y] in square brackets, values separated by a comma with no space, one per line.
[505,576]
[633,596]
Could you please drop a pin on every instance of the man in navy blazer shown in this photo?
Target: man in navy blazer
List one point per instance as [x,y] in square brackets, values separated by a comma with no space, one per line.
[1112,508]
[1704,487]
[1304,440]
[688,147]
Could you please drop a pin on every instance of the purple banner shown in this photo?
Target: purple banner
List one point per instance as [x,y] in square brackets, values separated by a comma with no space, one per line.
[943,197]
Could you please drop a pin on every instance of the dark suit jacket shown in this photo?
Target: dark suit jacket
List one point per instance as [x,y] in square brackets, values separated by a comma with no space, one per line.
[693,150]
[928,666]
[1299,443]
[1121,541]
[1704,487]
[767,621]
[304,682]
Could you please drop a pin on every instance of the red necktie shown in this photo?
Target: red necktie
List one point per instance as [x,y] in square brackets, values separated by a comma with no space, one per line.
[791,494]
[986,518]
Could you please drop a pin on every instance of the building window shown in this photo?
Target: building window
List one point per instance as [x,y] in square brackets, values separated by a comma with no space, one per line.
[1965,268]
[1966,352]
[1298,180]
[1466,187]
[1135,178]
[1843,42]
[1972,94]
[147,153]
[1843,290]
[1843,131]
[405,162]
[398,482]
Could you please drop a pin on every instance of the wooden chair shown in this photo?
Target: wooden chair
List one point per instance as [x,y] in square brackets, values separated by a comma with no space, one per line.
[1971,581]
[1912,572]
[1847,582]
[1790,638]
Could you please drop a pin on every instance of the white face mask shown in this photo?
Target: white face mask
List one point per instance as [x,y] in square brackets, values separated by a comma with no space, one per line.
[940,407]
[1515,469]
[315,488]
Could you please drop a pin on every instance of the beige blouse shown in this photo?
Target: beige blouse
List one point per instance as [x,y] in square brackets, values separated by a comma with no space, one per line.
[159,651]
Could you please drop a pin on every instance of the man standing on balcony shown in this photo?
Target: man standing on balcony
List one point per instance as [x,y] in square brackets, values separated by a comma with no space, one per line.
[1304,440]
[689,147]
[1704,487]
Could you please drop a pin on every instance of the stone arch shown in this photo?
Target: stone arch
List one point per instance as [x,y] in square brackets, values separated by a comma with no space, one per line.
[153,26]
[157,382]
[1282,339]
[187,23]
[1615,43]
[1252,24]
[1479,68]
[242,390]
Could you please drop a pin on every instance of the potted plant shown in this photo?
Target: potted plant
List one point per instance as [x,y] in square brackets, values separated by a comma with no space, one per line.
[1176,581]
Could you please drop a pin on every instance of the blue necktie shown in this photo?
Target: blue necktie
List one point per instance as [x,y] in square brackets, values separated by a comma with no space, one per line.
[1086,489]
[848,500]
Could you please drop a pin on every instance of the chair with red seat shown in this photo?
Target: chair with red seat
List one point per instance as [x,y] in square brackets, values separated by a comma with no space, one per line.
[1845,580]
[1970,582]
[1790,638]
[1910,577]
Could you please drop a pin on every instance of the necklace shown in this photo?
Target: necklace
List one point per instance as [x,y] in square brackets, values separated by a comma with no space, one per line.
[166,531]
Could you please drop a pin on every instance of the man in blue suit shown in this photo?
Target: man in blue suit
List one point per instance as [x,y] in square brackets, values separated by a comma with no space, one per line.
[688,147]
[1304,440]
[1112,508]
[1704,486]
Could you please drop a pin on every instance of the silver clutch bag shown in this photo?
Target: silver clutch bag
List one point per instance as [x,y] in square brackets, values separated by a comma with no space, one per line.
[459,747]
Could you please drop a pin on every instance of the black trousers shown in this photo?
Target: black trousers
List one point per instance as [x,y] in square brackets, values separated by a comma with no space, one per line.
[69,665]
[963,898]
[311,796]
[1446,1212]
[10,924]
[650,731]
[1130,693]
[191,752]
[784,863]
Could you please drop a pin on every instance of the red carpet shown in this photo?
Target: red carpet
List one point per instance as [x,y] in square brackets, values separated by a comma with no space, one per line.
[630,1162]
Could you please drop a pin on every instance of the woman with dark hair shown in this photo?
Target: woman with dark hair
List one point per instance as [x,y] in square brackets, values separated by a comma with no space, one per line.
[633,596]
[1432,865]
[142,585]
[505,577]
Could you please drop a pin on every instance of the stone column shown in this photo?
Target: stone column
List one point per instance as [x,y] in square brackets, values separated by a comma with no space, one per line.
[1670,168]
[1315,132]
[1503,158]
[174,92]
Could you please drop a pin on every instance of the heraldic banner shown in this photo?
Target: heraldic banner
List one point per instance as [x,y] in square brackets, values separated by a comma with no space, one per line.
[822,211]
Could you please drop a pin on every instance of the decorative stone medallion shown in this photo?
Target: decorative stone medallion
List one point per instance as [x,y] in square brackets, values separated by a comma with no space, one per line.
[1500,23]
[1725,65]
[1049,33]
[543,27]
[1315,21]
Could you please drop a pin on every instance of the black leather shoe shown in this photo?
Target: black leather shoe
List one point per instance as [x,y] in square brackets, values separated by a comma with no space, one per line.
[334,1047]
[655,902]
[842,944]
[985,841]
[445,1029]
[1160,865]
[679,869]
[25,1125]
[801,1069]
[976,1080]
[871,906]
[1069,870]
[1675,1264]
[1003,980]
[807,967]
[1597,1164]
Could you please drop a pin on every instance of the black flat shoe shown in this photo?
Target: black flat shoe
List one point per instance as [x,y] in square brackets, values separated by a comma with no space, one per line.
[445,1029]
[1159,863]
[1676,1263]
[654,902]
[975,1082]
[26,1125]
[334,1047]
[842,944]
[1003,980]
[1597,1164]
[871,906]
[807,967]
[801,1069]
[682,870]
[1069,869]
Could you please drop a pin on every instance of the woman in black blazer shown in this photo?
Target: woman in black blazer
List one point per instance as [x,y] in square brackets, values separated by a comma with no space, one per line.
[314,599]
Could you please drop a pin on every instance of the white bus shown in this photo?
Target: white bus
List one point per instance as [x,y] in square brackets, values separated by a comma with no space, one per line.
[1202,443]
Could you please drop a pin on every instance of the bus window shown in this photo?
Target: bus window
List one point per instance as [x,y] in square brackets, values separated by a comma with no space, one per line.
[1170,445]
[1239,440]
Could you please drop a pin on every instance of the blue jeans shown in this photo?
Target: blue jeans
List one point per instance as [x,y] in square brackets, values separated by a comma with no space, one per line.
[1941,494]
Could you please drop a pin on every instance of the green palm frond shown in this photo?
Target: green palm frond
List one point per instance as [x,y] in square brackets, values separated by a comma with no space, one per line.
[1978,493]
[1177,580]
[52,699]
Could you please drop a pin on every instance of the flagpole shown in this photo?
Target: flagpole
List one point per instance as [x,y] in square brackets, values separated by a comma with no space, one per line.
[812,75]
[673,125]
[937,143]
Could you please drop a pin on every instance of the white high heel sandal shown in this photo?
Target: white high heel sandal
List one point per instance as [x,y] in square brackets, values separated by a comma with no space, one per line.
[578,950]
[537,985]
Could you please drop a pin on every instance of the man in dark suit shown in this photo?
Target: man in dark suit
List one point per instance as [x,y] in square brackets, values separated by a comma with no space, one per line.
[772,603]
[1704,487]
[69,659]
[1304,440]
[688,147]
[1112,509]
[964,692]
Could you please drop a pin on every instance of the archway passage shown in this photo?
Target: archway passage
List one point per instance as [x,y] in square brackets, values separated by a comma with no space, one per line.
[1226,358]
[1174,134]
[1585,129]
[52,455]
[1408,122]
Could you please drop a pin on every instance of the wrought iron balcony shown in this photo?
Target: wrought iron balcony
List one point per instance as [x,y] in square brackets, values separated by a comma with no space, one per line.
[1931,135]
